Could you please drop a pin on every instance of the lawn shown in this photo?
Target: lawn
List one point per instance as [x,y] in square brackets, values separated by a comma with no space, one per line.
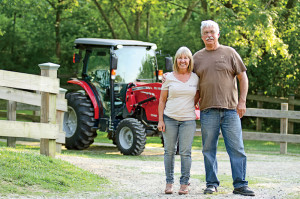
[25,172]
[251,146]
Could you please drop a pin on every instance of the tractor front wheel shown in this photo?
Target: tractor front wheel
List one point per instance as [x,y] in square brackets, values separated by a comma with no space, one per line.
[78,122]
[130,137]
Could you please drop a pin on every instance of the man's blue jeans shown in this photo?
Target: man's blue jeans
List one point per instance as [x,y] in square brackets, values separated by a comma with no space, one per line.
[212,120]
[183,131]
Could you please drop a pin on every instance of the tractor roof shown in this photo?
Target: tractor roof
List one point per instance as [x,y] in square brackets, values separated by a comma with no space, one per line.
[111,42]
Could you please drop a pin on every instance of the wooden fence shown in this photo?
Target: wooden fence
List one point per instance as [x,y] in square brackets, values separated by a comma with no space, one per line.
[292,102]
[50,99]
[283,137]
[286,115]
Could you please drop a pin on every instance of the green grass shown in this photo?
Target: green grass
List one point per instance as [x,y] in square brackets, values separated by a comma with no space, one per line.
[251,146]
[26,172]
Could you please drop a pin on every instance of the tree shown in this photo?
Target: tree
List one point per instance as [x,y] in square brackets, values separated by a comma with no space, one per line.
[59,6]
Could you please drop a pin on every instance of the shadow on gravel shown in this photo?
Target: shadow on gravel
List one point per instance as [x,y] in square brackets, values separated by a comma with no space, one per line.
[111,151]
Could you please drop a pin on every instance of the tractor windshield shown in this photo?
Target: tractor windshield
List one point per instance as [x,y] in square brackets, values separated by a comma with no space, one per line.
[135,63]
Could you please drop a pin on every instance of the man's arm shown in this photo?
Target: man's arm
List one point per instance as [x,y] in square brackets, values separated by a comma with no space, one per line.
[243,80]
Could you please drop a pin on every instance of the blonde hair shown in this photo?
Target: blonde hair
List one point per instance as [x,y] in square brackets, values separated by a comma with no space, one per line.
[184,51]
[209,23]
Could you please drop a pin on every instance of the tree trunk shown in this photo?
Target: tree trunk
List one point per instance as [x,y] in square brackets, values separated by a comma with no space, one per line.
[137,24]
[57,29]
[106,19]
[204,5]
[13,37]
[228,4]
[148,24]
[124,21]
[188,13]
[291,4]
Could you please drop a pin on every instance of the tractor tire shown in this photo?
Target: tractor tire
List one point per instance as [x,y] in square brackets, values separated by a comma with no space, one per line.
[130,137]
[78,122]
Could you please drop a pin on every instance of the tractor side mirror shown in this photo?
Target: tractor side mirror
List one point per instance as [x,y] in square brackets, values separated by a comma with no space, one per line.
[169,63]
[114,62]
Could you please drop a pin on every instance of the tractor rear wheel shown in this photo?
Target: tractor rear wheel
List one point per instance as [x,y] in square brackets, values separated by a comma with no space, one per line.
[78,122]
[130,137]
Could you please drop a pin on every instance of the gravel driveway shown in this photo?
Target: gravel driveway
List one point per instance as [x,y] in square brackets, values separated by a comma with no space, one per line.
[274,176]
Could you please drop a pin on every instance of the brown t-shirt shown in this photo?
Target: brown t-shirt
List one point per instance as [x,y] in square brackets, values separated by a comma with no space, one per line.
[217,71]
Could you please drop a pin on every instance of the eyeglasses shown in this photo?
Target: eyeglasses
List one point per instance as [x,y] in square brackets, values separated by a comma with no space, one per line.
[212,32]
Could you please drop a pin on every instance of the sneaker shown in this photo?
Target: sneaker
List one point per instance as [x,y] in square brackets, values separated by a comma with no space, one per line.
[245,191]
[210,189]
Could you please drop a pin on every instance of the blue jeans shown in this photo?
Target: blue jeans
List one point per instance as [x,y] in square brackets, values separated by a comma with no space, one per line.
[183,132]
[212,120]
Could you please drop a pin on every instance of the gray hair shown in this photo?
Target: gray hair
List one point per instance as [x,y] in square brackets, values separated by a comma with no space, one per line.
[184,51]
[209,23]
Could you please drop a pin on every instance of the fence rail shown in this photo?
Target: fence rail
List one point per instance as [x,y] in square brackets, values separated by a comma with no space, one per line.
[284,115]
[28,98]
[271,113]
[50,100]
[277,100]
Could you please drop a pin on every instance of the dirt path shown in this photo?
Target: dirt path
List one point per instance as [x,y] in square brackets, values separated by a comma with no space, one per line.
[274,176]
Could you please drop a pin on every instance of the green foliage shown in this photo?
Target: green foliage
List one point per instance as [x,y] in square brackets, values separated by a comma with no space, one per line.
[21,170]
[265,33]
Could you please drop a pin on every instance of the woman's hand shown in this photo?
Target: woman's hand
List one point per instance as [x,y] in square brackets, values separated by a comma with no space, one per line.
[161,126]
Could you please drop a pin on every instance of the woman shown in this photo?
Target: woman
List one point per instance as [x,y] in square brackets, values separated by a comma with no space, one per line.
[179,94]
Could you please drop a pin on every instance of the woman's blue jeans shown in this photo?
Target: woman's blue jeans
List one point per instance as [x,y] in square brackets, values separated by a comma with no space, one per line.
[212,120]
[183,132]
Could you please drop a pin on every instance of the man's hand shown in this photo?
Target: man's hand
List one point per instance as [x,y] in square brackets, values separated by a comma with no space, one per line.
[241,109]
[164,77]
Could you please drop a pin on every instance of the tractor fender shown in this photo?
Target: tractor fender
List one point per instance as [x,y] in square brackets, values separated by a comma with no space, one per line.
[90,93]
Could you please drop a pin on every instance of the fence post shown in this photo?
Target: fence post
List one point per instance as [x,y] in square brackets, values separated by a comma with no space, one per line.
[259,105]
[59,119]
[283,128]
[11,115]
[48,109]
[291,107]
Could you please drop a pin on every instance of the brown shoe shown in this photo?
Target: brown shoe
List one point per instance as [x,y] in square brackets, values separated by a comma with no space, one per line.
[184,189]
[169,189]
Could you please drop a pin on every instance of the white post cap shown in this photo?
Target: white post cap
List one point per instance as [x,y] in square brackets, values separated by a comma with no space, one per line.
[49,66]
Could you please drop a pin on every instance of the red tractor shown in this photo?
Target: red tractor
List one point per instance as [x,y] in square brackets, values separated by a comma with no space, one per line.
[119,94]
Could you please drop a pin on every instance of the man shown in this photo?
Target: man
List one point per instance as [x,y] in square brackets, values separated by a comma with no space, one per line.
[218,66]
